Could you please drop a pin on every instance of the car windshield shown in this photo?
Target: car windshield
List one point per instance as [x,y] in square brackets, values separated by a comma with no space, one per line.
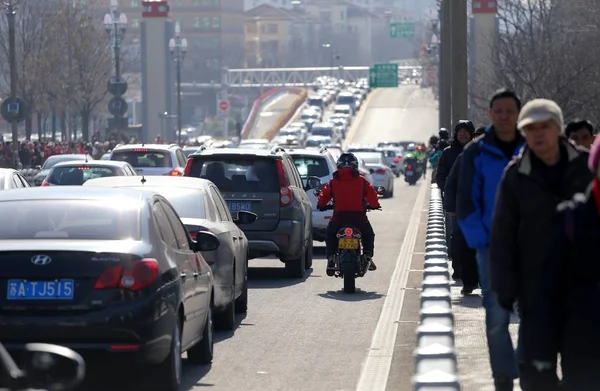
[238,173]
[54,160]
[188,203]
[370,158]
[311,166]
[69,220]
[76,175]
[143,157]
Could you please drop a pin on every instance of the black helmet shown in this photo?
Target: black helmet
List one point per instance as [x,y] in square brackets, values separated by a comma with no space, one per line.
[444,134]
[347,159]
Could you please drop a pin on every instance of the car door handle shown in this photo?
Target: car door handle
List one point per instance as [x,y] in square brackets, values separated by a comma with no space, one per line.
[235,237]
[183,276]
[195,274]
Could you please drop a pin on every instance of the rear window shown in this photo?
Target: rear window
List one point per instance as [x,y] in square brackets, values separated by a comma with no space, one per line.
[54,160]
[311,166]
[315,102]
[77,175]
[238,173]
[317,143]
[390,153]
[342,110]
[143,158]
[346,99]
[68,219]
[321,131]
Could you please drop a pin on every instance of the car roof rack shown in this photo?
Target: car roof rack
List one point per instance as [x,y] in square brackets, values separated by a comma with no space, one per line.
[323,149]
[173,145]
[276,149]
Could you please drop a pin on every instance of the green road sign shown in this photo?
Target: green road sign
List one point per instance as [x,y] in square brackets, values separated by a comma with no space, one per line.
[383,75]
[402,30]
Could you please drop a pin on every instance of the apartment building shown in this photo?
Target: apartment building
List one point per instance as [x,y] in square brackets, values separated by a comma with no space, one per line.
[213,28]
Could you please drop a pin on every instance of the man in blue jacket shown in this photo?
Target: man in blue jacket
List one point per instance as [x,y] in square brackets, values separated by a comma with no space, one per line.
[482,164]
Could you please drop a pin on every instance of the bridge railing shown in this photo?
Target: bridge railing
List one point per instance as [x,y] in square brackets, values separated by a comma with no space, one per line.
[256,106]
[436,365]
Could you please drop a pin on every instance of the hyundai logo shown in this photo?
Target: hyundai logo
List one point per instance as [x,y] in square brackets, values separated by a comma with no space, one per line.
[41,260]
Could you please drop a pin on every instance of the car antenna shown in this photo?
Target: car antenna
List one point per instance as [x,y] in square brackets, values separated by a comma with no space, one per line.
[143,179]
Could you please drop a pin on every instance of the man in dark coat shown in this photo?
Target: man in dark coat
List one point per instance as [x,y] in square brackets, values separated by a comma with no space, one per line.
[549,169]
[463,133]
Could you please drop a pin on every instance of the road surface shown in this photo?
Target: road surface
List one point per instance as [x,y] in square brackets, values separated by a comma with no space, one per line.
[305,334]
[270,113]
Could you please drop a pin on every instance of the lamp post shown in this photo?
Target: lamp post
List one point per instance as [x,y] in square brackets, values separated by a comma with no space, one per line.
[332,56]
[13,108]
[178,47]
[115,24]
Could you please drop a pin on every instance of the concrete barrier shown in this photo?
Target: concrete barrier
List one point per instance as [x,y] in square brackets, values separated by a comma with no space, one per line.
[255,110]
[289,113]
[436,367]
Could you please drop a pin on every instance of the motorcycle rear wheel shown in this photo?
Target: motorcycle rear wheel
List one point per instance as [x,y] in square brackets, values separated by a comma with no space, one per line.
[349,277]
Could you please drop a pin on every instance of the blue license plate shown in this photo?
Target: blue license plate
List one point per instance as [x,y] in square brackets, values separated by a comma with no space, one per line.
[235,206]
[40,290]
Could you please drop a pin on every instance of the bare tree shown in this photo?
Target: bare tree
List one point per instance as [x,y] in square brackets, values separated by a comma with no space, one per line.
[540,53]
[32,47]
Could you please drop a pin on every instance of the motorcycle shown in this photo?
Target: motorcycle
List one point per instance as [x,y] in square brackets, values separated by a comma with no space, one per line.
[411,174]
[349,260]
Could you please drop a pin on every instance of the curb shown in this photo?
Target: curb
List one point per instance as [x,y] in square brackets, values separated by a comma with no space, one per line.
[436,366]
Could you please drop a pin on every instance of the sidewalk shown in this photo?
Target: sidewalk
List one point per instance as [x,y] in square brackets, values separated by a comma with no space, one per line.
[270,113]
[471,342]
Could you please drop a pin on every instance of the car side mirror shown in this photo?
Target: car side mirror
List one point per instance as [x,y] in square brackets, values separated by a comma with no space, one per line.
[372,171]
[312,182]
[245,217]
[206,241]
[52,367]
[380,190]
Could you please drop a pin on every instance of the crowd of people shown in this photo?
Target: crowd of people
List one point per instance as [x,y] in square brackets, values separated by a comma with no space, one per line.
[522,199]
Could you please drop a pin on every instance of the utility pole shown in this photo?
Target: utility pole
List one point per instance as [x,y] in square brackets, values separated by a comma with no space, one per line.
[178,47]
[459,95]
[445,105]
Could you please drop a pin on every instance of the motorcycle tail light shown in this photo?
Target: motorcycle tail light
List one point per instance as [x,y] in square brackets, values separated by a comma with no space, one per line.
[409,167]
[348,231]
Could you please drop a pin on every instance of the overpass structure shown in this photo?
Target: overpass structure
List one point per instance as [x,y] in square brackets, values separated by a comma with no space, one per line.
[286,77]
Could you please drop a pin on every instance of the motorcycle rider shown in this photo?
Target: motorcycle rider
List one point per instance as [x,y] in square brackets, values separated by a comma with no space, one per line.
[351,194]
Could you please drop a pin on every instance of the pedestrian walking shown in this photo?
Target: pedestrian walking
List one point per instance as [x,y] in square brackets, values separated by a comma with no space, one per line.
[463,134]
[549,169]
[482,164]
[581,132]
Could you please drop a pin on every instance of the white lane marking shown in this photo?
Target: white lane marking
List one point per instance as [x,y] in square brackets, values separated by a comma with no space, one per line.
[376,368]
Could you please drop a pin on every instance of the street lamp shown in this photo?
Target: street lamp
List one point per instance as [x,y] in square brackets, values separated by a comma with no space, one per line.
[332,56]
[115,24]
[178,47]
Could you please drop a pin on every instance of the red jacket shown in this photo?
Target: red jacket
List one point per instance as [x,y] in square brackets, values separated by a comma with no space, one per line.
[349,191]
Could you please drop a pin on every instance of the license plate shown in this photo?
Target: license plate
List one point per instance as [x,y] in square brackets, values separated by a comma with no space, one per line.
[40,290]
[409,173]
[240,206]
[348,244]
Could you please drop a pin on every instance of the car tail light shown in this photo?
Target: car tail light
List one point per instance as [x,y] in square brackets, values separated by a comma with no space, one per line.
[175,172]
[134,277]
[188,167]
[397,159]
[409,167]
[286,197]
[193,235]
[380,171]
[44,183]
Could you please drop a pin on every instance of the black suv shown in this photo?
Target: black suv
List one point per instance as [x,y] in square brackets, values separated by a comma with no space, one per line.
[266,183]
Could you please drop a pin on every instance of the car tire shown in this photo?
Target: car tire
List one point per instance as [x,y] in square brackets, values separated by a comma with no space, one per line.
[295,267]
[241,303]
[308,255]
[224,320]
[168,374]
[202,352]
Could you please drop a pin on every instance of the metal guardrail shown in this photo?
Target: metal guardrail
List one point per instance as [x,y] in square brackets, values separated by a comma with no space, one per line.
[436,366]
